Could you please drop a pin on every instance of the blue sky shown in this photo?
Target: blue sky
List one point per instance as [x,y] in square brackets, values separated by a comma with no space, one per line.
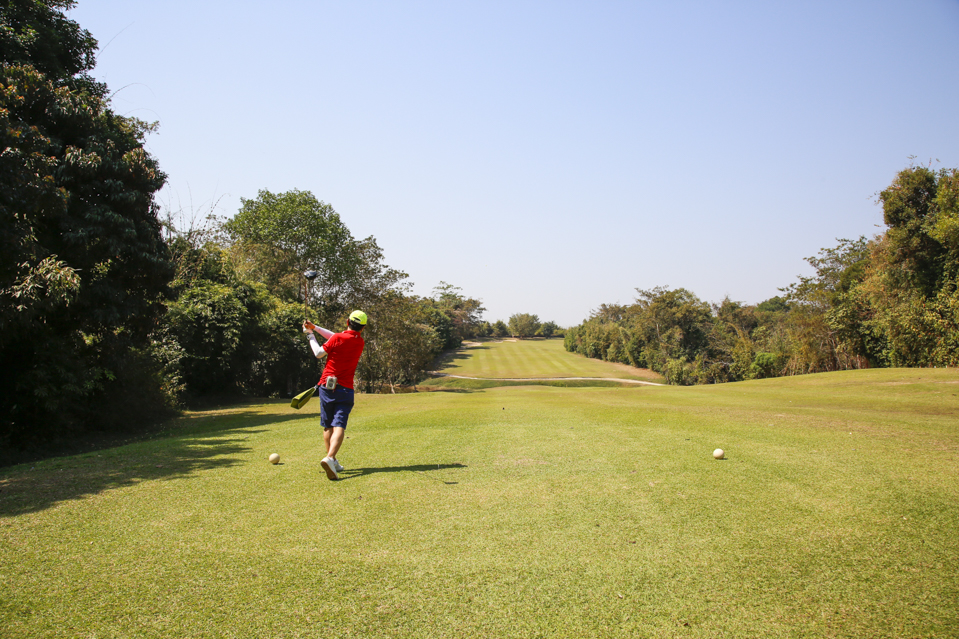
[549,157]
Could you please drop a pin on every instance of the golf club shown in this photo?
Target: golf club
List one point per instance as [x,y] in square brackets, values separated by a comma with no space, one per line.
[308,277]
[300,400]
[303,398]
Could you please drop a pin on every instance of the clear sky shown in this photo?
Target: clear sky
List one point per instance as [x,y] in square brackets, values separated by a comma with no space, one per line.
[549,157]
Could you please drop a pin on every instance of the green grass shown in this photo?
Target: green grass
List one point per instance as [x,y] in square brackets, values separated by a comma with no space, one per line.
[535,358]
[456,384]
[510,512]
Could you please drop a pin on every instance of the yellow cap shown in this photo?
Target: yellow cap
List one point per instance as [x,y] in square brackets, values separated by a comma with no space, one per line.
[359,317]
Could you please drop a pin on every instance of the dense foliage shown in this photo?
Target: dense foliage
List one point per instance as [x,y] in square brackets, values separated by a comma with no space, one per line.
[240,297]
[83,267]
[889,301]
[522,326]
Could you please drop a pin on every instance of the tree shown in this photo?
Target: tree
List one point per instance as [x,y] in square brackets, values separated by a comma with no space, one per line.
[36,33]
[272,240]
[775,304]
[912,283]
[945,229]
[830,325]
[674,324]
[911,212]
[500,329]
[401,345]
[730,349]
[442,325]
[223,334]
[523,325]
[464,313]
[212,324]
[275,238]
[83,264]
[547,329]
[665,330]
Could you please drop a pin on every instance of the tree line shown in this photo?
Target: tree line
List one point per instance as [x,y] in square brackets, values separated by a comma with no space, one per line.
[239,295]
[111,316]
[520,325]
[889,301]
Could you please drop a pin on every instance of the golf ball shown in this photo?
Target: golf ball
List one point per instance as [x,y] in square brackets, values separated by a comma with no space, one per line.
[719,453]
[275,458]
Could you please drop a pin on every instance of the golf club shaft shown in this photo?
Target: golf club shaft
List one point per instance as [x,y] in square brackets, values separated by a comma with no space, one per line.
[306,299]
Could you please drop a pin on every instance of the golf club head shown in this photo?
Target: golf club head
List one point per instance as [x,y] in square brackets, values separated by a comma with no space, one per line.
[301,400]
[311,274]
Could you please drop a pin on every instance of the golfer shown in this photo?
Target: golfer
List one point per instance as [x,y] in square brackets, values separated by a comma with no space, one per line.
[342,351]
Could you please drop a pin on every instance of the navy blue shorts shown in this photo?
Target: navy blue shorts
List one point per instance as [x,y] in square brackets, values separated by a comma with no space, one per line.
[335,407]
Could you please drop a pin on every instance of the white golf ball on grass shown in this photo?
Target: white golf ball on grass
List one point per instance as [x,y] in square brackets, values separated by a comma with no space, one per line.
[275,458]
[719,453]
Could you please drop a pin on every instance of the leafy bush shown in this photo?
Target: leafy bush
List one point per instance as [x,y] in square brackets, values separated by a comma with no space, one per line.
[767,365]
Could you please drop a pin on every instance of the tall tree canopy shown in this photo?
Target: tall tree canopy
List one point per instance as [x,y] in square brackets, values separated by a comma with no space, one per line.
[83,266]
[276,237]
[36,33]
[912,283]
[455,316]
[523,324]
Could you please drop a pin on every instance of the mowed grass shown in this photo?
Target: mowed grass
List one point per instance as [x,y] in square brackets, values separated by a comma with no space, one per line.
[531,359]
[510,512]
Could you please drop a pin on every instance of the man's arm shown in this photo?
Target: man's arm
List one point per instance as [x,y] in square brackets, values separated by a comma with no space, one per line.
[310,326]
[315,345]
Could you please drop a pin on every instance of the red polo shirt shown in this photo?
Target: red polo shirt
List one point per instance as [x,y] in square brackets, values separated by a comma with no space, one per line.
[343,352]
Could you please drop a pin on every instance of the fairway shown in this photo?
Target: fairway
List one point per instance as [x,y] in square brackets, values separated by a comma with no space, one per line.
[534,359]
[510,512]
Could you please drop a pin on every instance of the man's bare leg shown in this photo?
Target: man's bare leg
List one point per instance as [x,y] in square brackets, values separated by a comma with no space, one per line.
[333,438]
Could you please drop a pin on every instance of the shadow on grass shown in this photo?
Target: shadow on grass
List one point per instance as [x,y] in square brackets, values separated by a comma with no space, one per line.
[352,473]
[448,357]
[188,446]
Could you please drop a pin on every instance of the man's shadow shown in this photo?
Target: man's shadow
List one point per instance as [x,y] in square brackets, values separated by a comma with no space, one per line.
[351,473]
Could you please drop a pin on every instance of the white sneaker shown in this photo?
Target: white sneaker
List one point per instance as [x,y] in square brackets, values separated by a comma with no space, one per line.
[329,465]
[337,465]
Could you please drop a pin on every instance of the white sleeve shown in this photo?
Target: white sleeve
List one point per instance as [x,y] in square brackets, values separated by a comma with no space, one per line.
[324,332]
[315,345]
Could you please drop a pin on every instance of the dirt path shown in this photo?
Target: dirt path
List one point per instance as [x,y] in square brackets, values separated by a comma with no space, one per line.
[548,379]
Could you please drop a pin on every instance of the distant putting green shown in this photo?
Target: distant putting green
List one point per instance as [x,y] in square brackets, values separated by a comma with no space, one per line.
[510,512]
[534,359]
